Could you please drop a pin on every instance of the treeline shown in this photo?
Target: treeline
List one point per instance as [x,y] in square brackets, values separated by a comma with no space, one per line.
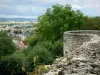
[46,43]
[91,23]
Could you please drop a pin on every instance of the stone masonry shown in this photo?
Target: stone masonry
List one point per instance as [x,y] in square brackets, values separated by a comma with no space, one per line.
[81,54]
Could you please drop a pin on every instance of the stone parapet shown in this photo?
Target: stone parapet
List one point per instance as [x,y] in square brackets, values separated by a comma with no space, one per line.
[74,39]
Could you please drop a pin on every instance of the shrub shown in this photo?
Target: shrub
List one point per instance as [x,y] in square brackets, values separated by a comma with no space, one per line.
[26,63]
[19,59]
[7,47]
[41,50]
[44,55]
[57,48]
[39,70]
[31,41]
[10,66]
[46,51]
[46,44]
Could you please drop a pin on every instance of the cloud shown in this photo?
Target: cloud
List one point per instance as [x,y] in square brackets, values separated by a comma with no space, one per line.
[90,3]
[3,5]
[50,1]
[6,1]
[76,0]
[75,6]
[24,9]
[15,2]
[91,6]
[38,7]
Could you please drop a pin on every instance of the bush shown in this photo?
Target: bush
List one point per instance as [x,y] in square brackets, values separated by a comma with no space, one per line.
[57,48]
[46,51]
[29,59]
[7,46]
[46,44]
[32,40]
[27,65]
[10,66]
[44,55]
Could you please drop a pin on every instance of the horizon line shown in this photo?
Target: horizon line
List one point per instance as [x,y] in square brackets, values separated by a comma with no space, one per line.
[17,16]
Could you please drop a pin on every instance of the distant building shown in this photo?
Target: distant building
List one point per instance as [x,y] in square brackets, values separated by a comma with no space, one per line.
[21,45]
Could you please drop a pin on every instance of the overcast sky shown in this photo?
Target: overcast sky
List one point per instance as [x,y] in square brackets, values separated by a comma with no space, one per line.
[34,8]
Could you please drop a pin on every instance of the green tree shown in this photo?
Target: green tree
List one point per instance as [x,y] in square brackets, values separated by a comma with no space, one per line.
[6,45]
[57,20]
[51,27]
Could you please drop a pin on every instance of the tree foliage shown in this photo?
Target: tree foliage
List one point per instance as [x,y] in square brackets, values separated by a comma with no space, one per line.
[6,45]
[91,23]
[56,20]
[10,66]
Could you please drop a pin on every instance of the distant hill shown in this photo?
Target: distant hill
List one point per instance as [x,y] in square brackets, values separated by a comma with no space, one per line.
[17,20]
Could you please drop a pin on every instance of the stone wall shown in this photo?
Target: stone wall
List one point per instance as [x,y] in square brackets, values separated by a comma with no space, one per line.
[74,39]
[81,54]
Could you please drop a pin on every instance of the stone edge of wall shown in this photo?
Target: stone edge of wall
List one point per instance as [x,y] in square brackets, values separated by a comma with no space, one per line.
[77,33]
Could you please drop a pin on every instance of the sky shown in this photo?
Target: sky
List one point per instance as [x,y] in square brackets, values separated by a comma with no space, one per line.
[35,8]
